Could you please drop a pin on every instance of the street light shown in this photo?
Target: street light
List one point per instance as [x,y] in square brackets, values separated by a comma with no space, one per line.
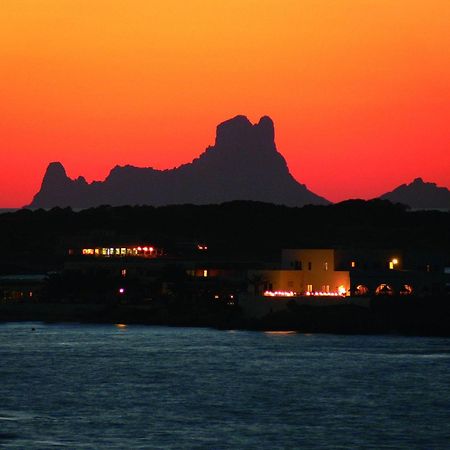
[392,263]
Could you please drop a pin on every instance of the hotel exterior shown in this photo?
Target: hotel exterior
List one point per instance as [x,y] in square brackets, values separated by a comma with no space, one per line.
[308,276]
[303,272]
[346,272]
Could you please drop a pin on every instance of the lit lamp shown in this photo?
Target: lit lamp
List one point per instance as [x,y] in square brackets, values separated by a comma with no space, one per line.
[342,291]
[393,262]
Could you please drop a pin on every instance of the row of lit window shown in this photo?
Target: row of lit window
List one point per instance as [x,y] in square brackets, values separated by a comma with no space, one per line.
[382,289]
[392,263]
[120,251]
[299,266]
[203,273]
[324,293]
[385,289]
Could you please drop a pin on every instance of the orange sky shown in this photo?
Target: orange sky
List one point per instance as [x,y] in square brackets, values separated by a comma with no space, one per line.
[359,89]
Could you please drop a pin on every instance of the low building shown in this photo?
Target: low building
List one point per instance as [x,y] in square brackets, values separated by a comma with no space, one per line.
[320,277]
[21,287]
[352,273]
[145,271]
[303,272]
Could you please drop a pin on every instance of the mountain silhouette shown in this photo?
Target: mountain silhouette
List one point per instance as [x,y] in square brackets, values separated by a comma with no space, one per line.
[243,164]
[420,195]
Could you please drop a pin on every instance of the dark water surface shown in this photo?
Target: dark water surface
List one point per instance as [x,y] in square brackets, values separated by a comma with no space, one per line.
[105,387]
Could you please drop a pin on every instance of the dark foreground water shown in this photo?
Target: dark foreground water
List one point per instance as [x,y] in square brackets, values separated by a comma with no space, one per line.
[101,386]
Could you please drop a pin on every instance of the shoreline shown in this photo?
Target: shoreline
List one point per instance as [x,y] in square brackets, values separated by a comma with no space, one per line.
[383,318]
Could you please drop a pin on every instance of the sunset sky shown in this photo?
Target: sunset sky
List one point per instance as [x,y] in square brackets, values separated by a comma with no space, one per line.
[359,90]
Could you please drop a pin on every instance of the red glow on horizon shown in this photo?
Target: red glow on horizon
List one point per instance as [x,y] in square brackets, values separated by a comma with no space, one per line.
[358,91]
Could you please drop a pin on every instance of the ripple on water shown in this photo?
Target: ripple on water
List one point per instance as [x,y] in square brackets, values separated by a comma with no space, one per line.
[80,386]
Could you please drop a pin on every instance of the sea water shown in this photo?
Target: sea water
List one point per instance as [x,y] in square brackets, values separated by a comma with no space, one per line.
[144,387]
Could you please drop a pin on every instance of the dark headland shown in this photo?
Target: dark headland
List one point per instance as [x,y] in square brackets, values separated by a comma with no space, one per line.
[243,164]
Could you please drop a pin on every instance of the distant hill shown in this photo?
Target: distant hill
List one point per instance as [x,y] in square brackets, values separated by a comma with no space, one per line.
[420,195]
[243,164]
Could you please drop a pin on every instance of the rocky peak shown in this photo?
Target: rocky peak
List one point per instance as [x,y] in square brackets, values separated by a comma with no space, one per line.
[55,176]
[55,172]
[244,164]
[421,185]
[238,133]
[420,194]
[265,129]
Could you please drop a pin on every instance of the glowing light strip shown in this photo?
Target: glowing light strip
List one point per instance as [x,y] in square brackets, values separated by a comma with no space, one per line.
[308,294]
[324,294]
[120,251]
[279,294]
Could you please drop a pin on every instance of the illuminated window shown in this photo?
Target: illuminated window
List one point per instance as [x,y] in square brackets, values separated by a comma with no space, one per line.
[309,288]
[406,290]
[384,289]
[361,290]
[353,264]
[205,273]
[325,266]
[124,272]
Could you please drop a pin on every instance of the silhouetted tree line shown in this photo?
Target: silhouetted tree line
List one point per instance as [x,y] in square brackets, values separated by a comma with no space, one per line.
[240,229]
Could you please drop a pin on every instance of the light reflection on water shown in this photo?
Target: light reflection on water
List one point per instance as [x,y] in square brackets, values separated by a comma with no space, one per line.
[96,386]
[280,333]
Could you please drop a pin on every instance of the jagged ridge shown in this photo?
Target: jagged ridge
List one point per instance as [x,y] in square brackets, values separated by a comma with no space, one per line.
[420,195]
[243,164]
